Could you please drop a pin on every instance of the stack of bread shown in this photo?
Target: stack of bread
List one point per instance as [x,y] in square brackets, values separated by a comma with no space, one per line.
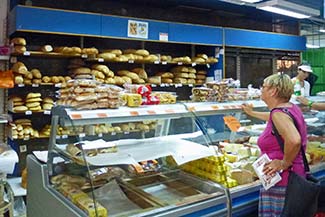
[48,103]
[184,75]
[203,94]
[17,104]
[204,59]
[102,74]
[133,77]
[165,97]
[23,129]
[89,94]
[68,50]
[165,77]
[90,52]
[34,76]
[81,73]
[33,102]
[221,90]
[19,44]
[183,60]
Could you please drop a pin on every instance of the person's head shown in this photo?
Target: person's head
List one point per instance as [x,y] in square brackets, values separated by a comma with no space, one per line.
[303,72]
[277,86]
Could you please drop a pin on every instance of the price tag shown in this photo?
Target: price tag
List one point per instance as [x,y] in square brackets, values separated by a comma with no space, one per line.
[26,138]
[126,132]
[13,59]
[232,123]
[21,85]
[164,63]
[57,85]
[179,63]
[35,85]
[47,112]
[84,56]
[193,64]
[58,137]
[64,136]
[190,85]
[100,60]
[131,61]
[156,62]
[208,66]
[28,112]
[113,133]
[81,135]
[162,85]
[100,135]
[22,148]
[26,53]
[153,85]
[167,85]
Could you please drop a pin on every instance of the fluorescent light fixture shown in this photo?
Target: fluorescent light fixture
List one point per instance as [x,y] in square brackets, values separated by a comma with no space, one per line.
[312,46]
[251,1]
[288,9]
[322,30]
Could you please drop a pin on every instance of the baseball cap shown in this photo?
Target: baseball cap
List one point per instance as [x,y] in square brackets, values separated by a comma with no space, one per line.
[306,68]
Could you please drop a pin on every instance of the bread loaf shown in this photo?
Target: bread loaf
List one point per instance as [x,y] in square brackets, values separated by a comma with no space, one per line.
[18,41]
[47,48]
[141,72]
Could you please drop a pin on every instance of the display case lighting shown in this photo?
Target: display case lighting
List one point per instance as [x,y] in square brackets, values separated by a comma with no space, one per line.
[312,46]
[288,9]
[322,30]
[251,1]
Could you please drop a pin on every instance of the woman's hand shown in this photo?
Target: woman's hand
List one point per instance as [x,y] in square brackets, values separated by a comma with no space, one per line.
[273,167]
[302,100]
[247,108]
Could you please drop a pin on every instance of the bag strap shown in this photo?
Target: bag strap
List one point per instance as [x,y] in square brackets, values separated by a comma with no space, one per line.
[280,141]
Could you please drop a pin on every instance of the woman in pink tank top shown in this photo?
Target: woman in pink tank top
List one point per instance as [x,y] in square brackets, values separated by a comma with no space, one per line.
[276,93]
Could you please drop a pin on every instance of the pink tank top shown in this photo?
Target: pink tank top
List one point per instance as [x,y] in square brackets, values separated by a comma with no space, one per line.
[269,145]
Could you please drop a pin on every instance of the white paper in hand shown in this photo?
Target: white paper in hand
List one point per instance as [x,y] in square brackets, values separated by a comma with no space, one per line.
[267,180]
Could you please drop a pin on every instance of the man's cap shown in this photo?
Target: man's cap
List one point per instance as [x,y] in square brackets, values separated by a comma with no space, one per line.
[305,68]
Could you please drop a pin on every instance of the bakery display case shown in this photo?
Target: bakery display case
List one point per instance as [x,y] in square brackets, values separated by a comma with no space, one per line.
[137,166]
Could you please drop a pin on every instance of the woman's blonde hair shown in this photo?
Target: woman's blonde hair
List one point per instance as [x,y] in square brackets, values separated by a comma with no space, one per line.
[283,84]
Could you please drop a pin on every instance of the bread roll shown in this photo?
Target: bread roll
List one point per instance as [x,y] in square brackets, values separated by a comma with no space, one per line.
[32,104]
[154,80]
[166,80]
[33,95]
[20,109]
[36,73]
[18,41]
[19,68]
[117,52]
[132,75]
[47,106]
[19,79]
[165,74]
[142,52]
[203,56]
[28,76]
[46,79]
[129,51]
[141,72]
[107,55]
[20,48]
[27,82]
[30,100]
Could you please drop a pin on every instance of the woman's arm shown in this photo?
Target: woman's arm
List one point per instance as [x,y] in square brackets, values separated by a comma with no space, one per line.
[248,109]
[311,104]
[292,142]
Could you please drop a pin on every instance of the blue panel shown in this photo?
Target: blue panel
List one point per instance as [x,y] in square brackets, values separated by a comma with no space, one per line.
[195,34]
[264,40]
[117,27]
[57,21]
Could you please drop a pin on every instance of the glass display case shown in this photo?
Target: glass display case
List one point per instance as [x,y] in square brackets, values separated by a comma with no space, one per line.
[162,160]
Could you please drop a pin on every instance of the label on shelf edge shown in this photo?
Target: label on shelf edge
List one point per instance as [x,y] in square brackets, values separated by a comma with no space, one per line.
[84,56]
[22,148]
[100,135]
[28,112]
[35,85]
[153,85]
[21,85]
[208,66]
[26,53]
[193,64]
[100,60]
[190,85]
[113,133]
[156,62]
[126,132]
[179,63]
[47,112]
[130,61]
[82,135]
[64,136]
[164,63]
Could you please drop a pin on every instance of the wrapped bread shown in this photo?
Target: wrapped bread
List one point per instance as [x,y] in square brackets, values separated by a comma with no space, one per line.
[20,48]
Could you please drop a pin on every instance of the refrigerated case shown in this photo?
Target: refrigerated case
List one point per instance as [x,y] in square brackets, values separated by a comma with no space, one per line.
[142,166]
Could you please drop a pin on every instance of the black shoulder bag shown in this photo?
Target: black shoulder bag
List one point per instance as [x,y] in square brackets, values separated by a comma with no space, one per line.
[301,198]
